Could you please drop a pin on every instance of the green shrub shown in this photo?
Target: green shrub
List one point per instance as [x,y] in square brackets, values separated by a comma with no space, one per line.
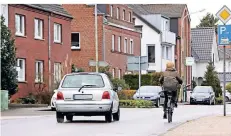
[136,104]
[120,83]
[146,79]
[43,97]
[30,99]
[219,100]
[126,94]
[228,87]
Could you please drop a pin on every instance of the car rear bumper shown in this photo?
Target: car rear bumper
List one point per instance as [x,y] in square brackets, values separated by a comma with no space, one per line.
[204,101]
[83,107]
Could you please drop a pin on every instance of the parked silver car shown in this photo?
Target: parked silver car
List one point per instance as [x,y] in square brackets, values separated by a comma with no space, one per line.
[87,94]
[151,93]
[227,96]
[202,95]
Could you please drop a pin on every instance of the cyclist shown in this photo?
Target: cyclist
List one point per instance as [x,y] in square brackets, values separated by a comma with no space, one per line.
[170,81]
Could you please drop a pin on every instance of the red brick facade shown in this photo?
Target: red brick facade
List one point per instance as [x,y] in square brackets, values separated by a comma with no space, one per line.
[31,49]
[83,23]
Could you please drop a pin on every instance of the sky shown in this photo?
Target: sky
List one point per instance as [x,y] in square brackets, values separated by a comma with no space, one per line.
[211,6]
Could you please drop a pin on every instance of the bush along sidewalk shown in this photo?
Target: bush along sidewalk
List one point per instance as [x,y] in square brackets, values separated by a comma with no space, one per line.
[219,100]
[136,104]
[126,94]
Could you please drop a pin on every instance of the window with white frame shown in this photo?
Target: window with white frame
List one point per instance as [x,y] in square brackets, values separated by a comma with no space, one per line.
[39,71]
[130,17]
[123,16]
[117,13]
[38,28]
[113,42]
[125,45]
[119,43]
[119,73]
[113,73]
[20,25]
[111,10]
[21,64]
[131,46]
[57,33]
[169,53]
[57,72]
[151,54]
[75,40]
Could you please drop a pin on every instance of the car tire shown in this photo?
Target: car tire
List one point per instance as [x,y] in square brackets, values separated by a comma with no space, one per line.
[213,103]
[116,116]
[69,118]
[53,109]
[108,116]
[59,117]
[226,99]
[157,103]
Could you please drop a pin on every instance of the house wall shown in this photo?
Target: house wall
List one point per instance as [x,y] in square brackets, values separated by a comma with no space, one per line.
[32,49]
[5,13]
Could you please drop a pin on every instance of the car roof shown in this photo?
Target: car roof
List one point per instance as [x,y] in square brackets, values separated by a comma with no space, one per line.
[86,73]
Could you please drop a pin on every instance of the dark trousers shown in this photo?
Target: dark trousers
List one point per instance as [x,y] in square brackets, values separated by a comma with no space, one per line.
[174,98]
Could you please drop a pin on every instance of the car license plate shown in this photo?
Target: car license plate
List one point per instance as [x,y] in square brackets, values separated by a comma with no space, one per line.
[83,97]
[199,99]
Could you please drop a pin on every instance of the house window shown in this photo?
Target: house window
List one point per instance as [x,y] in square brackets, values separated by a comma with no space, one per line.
[113,42]
[169,53]
[151,54]
[113,73]
[57,72]
[119,73]
[130,17]
[57,33]
[125,45]
[111,10]
[117,13]
[38,25]
[131,47]
[20,25]
[119,44]
[21,69]
[75,41]
[163,52]
[123,17]
[39,71]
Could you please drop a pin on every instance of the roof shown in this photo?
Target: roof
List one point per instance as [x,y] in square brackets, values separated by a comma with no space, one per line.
[202,42]
[138,12]
[221,53]
[169,10]
[221,78]
[53,8]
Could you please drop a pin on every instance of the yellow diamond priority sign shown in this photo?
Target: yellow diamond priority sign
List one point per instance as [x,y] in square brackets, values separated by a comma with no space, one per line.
[224,14]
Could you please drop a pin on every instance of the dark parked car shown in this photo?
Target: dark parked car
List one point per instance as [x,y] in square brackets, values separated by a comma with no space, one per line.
[203,95]
[151,93]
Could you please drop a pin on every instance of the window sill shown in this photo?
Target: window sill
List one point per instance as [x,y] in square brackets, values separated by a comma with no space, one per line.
[18,35]
[75,48]
[40,39]
[25,82]
[121,53]
[55,42]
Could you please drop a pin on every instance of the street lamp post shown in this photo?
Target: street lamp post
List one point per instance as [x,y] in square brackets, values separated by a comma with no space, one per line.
[96,41]
[184,54]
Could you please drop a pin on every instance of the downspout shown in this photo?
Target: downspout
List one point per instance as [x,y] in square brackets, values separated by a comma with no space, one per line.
[49,52]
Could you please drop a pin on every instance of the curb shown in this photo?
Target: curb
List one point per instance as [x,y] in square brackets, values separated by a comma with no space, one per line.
[27,105]
[22,117]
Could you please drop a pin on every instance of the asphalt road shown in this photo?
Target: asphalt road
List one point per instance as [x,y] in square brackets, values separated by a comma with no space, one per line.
[134,122]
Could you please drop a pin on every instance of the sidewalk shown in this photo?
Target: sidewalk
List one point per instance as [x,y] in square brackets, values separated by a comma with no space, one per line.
[207,126]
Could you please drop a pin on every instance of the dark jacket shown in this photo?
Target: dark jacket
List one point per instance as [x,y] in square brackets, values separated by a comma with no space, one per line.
[171,72]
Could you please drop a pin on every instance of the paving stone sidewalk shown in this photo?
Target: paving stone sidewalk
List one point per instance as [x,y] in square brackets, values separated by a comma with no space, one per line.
[207,126]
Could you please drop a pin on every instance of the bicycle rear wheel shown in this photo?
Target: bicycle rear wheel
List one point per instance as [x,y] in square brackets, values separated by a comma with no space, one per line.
[169,116]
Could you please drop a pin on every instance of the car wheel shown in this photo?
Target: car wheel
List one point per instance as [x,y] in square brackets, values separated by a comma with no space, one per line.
[157,103]
[108,116]
[214,102]
[226,99]
[59,117]
[116,116]
[69,117]
[53,109]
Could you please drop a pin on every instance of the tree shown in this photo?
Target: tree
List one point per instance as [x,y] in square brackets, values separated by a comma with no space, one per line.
[228,87]
[211,79]
[8,60]
[208,21]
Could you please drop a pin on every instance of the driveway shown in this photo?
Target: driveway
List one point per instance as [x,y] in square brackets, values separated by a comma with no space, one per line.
[134,122]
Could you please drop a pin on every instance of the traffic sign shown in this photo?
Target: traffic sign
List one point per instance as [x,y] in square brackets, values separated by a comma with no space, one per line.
[100,63]
[224,35]
[133,63]
[189,61]
[224,14]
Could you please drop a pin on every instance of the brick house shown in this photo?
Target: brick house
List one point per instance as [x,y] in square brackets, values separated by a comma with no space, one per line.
[118,37]
[177,13]
[42,39]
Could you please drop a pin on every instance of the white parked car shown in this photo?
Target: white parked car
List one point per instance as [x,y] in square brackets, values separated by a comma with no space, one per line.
[87,94]
[227,96]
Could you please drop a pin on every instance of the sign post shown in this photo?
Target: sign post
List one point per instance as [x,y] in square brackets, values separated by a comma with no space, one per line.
[137,63]
[224,39]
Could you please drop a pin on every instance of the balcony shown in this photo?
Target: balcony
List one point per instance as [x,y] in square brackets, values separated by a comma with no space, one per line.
[169,37]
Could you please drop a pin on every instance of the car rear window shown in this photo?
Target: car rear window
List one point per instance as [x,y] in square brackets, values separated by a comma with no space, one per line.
[79,80]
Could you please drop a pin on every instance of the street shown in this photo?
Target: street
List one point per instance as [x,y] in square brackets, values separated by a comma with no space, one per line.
[134,122]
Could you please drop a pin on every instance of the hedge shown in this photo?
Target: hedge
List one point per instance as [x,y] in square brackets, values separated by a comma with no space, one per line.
[136,104]
[146,79]
[126,94]
[219,100]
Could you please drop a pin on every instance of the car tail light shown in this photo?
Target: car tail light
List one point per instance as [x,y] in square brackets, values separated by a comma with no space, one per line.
[60,96]
[106,95]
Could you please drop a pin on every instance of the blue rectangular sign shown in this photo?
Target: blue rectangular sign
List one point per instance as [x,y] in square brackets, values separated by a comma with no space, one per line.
[224,35]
